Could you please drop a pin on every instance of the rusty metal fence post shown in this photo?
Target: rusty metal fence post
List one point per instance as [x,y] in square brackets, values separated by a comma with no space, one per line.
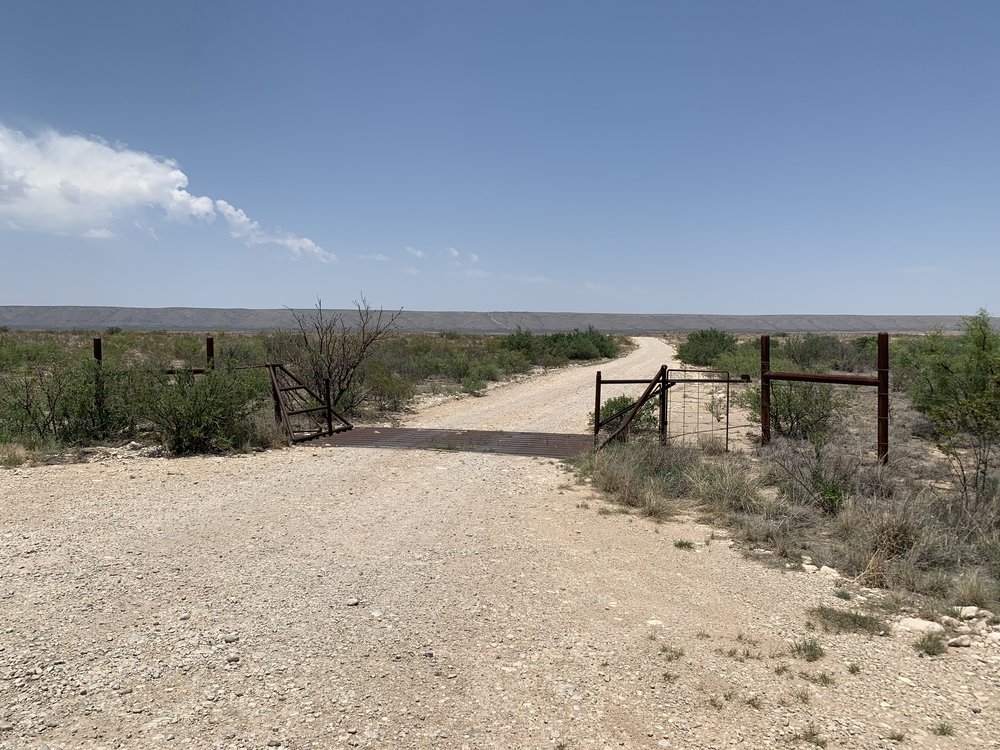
[883,397]
[597,409]
[210,352]
[329,407]
[100,398]
[765,389]
[663,405]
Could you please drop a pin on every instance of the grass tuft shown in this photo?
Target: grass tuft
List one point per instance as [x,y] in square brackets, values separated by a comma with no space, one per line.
[808,649]
[850,621]
[671,653]
[931,644]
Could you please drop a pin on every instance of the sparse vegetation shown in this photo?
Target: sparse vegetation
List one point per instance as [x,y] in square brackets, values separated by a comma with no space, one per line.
[671,653]
[851,621]
[823,679]
[943,730]
[808,649]
[641,475]
[818,490]
[684,544]
[53,394]
[811,735]
[931,644]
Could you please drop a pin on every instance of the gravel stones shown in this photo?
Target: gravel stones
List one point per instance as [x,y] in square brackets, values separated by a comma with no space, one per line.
[918,625]
[504,627]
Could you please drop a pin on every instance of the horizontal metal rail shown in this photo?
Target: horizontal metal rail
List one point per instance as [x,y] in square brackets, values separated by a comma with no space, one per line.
[811,377]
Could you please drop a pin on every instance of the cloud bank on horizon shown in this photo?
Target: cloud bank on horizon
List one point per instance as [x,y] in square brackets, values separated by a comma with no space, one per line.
[84,186]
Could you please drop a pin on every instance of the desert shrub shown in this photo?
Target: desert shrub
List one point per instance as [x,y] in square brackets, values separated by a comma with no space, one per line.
[889,541]
[387,390]
[556,347]
[824,475]
[213,413]
[956,383]
[644,421]
[334,347]
[806,411]
[68,402]
[727,486]
[702,348]
[641,474]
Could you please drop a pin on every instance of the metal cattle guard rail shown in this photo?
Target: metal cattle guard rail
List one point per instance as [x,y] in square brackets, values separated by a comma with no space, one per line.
[658,386]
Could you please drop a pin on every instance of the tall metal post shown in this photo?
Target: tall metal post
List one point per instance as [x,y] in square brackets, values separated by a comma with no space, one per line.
[883,397]
[663,405]
[210,352]
[765,389]
[727,412]
[99,397]
[329,408]
[597,409]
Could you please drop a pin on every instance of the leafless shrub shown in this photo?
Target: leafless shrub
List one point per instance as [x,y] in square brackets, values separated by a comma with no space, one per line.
[334,348]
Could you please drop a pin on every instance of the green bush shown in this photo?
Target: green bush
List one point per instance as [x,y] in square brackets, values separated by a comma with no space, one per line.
[703,347]
[578,345]
[206,414]
[387,390]
[955,382]
[806,411]
[67,402]
[645,420]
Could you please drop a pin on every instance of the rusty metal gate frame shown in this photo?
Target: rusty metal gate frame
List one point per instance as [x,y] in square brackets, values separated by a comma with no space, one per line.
[658,386]
[291,397]
[880,381]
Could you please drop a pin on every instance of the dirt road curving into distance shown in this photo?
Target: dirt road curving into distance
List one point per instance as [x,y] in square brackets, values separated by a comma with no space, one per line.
[365,598]
[559,401]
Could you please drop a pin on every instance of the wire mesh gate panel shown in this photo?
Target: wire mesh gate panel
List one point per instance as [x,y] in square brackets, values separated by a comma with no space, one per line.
[698,406]
[693,406]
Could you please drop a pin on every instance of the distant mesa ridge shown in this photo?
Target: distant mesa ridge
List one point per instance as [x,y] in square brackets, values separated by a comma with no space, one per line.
[240,319]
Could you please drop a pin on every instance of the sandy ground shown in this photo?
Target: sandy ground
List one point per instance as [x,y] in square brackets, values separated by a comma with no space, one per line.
[334,598]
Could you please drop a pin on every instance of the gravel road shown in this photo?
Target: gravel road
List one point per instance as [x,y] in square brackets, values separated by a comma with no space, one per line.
[335,598]
[559,401]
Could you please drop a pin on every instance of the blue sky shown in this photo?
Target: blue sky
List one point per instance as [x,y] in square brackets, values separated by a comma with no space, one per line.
[717,157]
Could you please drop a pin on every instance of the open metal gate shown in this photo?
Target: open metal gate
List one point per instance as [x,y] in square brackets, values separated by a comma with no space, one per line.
[692,403]
[302,413]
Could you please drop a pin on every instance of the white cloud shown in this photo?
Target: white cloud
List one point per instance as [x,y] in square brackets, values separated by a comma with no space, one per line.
[243,227]
[409,269]
[473,257]
[99,234]
[414,252]
[70,184]
[452,252]
[376,256]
